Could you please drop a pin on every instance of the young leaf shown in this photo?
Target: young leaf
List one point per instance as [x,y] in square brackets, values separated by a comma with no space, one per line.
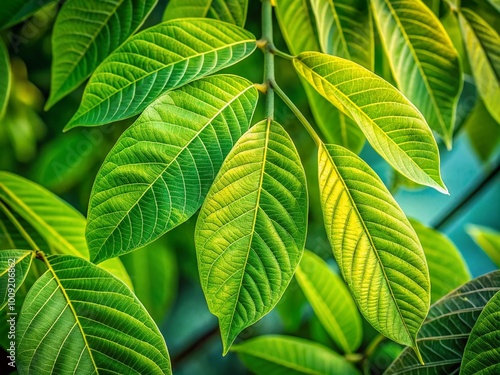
[488,240]
[331,301]
[79,47]
[376,248]
[79,319]
[157,60]
[447,268]
[5,78]
[251,230]
[59,224]
[345,30]
[16,263]
[482,43]
[423,60]
[159,172]
[482,353]
[15,11]
[232,11]
[391,123]
[279,355]
[444,334]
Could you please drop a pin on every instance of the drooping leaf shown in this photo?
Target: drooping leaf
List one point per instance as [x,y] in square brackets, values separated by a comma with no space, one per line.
[161,168]
[157,60]
[447,268]
[59,224]
[5,78]
[14,266]
[482,43]
[232,11]
[79,319]
[444,334]
[300,36]
[79,46]
[482,353]
[251,230]
[345,29]
[331,301]
[15,11]
[488,240]
[483,132]
[279,355]
[153,271]
[391,123]
[424,62]
[377,250]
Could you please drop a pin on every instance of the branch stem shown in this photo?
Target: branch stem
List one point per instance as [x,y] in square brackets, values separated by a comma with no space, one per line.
[267,39]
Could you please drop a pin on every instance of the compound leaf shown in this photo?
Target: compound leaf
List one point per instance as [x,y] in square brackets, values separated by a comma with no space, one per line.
[79,46]
[482,353]
[488,240]
[482,43]
[159,172]
[423,60]
[278,355]
[231,11]
[331,301]
[444,334]
[5,78]
[156,60]
[391,123]
[16,263]
[377,250]
[251,230]
[79,319]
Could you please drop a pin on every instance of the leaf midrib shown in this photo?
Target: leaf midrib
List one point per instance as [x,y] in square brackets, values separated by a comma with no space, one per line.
[18,260]
[339,25]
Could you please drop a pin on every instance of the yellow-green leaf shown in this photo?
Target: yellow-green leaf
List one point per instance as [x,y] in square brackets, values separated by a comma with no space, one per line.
[488,239]
[231,11]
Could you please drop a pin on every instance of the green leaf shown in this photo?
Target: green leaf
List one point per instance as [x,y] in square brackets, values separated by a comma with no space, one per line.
[251,230]
[444,334]
[291,306]
[391,123]
[483,132]
[447,268]
[424,62]
[482,353]
[14,266]
[345,29]
[300,36]
[59,224]
[159,172]
[156,60]
[15,11]
[153,271]
[488,240]
[5,78]
[279,355]
[331,301]
[482,43]
[376,248]
[495,3]
[79,47]
[232,11]
[87,322]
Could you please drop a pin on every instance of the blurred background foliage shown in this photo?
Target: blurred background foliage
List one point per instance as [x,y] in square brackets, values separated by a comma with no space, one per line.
[165,274]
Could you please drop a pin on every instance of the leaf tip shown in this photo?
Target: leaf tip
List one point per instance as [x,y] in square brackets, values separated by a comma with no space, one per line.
[418,354]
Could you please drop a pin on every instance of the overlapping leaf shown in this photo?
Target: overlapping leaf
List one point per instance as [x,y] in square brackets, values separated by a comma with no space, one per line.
[447,268]
[482,353]
[232,11]
[444,334]
[376,248]
[279,355]
[495,3]
[300,36]
[157,60]
[85,33]
[14,264]
[60,225]
[251,230]
[160,170]
[79,319]
[482,43]
[393,126]
[345,29]
[331,301]
[483,132]
[15,11]
[5,78]
[423,60]
[488,239]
